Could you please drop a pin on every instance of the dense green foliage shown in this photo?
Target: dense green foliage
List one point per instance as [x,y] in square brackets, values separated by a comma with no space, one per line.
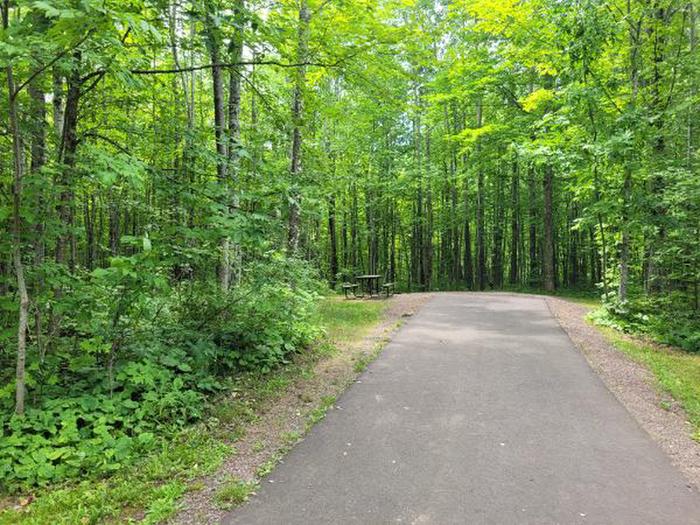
[98,405]
[152,486]
[177,177]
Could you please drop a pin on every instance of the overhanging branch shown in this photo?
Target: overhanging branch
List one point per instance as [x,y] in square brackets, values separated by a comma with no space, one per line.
[229,65]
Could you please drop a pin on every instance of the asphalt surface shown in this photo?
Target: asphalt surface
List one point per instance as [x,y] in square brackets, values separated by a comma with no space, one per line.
[479,411]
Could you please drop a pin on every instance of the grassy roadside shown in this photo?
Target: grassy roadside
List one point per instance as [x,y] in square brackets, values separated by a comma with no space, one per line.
[677,371]
[149,492]
[589,298]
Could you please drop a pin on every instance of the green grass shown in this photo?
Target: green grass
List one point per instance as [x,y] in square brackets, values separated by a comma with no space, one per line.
[586,300]
[318,413]
[150,491]
[349,320]
[677,372]
[590,298]
[233,492]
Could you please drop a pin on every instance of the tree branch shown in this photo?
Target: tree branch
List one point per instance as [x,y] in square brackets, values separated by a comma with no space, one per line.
[229,65]
[43,68]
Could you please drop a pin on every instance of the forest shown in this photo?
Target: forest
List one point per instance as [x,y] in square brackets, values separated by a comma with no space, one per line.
[182,181]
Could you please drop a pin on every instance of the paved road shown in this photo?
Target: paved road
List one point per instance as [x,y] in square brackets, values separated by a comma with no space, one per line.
[479,411]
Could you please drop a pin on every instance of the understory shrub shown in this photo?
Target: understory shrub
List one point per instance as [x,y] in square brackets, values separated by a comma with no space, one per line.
[136,357]
[665,318]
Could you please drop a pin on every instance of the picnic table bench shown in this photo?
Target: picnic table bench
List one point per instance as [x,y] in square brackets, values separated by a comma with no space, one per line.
[389,288]
[370,285]
[350,287]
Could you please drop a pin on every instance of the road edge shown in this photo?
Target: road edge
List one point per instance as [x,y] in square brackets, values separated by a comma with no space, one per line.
[635,387]
[300,408]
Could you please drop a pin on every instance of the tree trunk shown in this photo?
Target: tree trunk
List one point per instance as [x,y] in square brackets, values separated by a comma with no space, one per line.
[354,220]
[548,251]
[231,260]
[213,42]
[534,270]
[625,241]
[480,203]
[67,157]
[38,160]
[297,120]
[18,168]
[514,223]
[468,259]
[634,41]
[332,243]
[653,274]
[497,248]
[57,104]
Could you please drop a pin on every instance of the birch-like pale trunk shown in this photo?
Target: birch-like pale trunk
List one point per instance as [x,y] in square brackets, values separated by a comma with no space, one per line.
[231,251]
[294,227]
[18,171]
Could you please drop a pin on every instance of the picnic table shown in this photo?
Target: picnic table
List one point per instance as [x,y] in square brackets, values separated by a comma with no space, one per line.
[370,283]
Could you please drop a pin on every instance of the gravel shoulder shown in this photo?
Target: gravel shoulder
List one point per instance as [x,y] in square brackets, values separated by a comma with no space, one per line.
[635,387]
[288,418]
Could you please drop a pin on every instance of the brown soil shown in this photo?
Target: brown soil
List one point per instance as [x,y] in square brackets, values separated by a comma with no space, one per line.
[268,436]
[635,387]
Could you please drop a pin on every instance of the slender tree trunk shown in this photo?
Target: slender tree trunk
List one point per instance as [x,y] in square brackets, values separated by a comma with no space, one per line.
[213,41]
[297,120]
[332,243]
[427,244]
[392,247]
[514,223]
[231,252]
[603,242]
[114,224]
[497,248]
[456,270]
[690,132]
[38,160]
[57,103]
[18,166]
[344,240]
[354,244]
[548,252]
[625,241]
[534,279]
[480,203]
[654,275]
[635,29]
[38,126]
[218,94]
[67,158]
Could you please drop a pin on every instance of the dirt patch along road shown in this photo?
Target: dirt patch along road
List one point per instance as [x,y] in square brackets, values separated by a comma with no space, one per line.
[480,410]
